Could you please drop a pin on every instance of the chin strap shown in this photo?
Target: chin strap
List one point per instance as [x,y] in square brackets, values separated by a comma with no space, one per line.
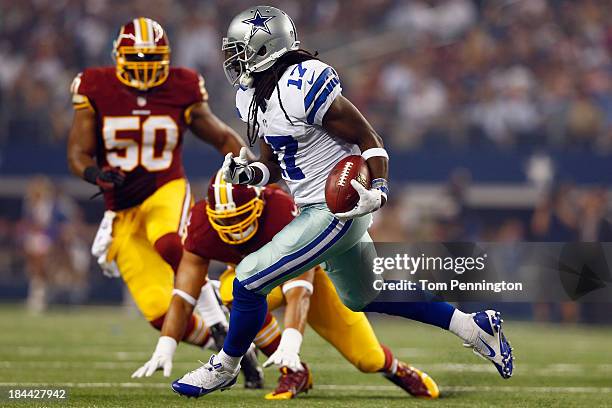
[246,79]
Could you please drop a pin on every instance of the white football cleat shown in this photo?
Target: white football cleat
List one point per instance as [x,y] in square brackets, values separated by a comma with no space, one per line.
[206,379]
[488,341]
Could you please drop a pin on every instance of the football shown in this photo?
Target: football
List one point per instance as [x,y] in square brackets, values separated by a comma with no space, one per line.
[340,196]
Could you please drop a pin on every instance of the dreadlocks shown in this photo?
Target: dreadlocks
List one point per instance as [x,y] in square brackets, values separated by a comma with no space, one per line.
[265,82]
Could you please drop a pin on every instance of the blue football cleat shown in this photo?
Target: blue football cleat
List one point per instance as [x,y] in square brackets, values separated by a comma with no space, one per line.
[489,342]
[206,379]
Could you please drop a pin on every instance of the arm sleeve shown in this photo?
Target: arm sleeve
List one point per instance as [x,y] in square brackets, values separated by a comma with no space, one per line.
[80,94]
[319,85]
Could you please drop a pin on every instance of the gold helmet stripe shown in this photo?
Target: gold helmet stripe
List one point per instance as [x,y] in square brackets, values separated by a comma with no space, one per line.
[144,30]
[223,191]
[216,187]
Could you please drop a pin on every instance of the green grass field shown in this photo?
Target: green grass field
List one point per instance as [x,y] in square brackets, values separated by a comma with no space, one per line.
[93,351]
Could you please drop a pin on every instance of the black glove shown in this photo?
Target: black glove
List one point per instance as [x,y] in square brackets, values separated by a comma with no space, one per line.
[107,178]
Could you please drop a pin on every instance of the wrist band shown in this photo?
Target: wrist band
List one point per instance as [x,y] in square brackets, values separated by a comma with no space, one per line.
[166,345]
[266,173]
[186,296]
[298,284]
[375,152]
[291,340]
[382,185]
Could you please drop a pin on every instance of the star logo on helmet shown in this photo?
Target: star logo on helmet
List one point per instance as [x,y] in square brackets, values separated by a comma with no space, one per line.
[259,22]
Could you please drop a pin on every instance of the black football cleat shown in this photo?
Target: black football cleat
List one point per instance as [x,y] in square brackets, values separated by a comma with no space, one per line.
[218,333]
[252,371]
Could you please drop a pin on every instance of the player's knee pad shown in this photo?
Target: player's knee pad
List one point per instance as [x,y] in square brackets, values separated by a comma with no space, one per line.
[257,261]
[247,267]
[170,248]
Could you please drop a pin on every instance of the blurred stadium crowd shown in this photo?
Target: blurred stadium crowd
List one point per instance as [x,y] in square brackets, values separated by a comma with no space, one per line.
[464,72]
[449,74]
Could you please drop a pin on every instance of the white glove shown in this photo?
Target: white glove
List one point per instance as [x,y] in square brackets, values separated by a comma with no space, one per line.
[369,201]
[237,170]
[102,243]
[287,353]
[161,359]
[109,269]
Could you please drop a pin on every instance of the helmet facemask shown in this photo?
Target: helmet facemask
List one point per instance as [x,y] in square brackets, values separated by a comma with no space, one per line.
[238,54]
[142,68]
[236,225]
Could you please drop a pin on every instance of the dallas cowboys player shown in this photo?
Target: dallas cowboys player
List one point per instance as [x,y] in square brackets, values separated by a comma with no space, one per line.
[292,103]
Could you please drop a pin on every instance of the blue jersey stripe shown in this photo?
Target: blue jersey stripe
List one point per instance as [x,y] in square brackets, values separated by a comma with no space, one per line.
[335,239]
[317,87]
[290,257]
[328,230]
[321,100]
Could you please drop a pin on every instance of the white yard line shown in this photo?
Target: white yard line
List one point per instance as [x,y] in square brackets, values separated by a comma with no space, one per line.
[79,351]
[335,387]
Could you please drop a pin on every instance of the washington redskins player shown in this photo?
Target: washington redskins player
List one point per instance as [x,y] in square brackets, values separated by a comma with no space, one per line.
[237,220]
[126,138]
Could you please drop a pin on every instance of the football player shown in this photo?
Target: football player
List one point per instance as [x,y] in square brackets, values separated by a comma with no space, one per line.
[126,138]
[236,221]
[292,102]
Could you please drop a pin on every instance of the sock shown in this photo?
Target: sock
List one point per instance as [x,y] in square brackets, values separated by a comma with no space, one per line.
[208,307]
[434,313]
[249,311]
[390,366]
[229,363]
[461,325]
[158,323]
[268,338]
[196,332]
[170,248]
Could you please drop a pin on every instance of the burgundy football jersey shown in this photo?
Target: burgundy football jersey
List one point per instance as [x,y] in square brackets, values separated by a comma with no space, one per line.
[139,132]
[279,210]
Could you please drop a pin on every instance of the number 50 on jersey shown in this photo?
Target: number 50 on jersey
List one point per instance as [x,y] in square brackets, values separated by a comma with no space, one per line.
[133,140]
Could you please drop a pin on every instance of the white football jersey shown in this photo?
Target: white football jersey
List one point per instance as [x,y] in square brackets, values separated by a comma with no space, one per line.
[306,152]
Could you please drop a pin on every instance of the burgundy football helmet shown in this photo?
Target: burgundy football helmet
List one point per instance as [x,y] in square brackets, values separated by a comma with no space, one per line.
[142,54]
[233,209]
